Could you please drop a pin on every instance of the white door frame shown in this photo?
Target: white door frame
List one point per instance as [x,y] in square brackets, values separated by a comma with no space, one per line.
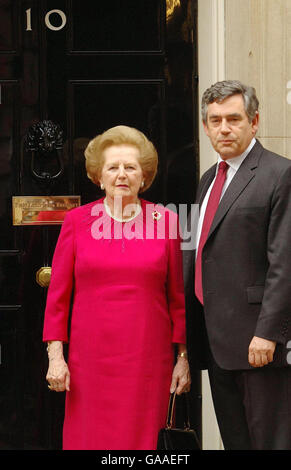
[211,68]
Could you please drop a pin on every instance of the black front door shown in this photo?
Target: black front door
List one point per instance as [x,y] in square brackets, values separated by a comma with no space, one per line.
[83,66]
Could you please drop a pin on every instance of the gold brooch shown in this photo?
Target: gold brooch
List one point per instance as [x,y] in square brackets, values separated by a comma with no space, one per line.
[156,215]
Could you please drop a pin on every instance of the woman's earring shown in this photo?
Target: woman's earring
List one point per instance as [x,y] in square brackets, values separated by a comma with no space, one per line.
[102,186]
[142,184]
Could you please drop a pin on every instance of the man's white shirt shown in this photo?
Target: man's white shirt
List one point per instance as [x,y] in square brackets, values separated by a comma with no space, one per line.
[234,164]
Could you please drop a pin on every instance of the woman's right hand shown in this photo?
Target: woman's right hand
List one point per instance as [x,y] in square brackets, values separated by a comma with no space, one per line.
[58,375]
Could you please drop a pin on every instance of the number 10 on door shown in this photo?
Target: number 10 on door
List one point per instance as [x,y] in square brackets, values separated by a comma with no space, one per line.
[47,21]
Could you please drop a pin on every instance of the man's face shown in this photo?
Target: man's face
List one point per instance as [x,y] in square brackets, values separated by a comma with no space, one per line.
[228,127]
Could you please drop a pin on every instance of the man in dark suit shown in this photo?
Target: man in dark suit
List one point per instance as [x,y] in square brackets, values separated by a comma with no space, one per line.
[238,279]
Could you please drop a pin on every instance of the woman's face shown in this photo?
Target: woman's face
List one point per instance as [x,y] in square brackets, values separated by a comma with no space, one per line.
[121,173]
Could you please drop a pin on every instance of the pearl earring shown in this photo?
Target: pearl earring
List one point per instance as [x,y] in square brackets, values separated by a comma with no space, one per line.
[142,184]
[102,186]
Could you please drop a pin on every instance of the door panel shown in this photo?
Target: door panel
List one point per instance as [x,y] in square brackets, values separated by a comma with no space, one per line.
[134,102]
[85,66]
[8,25]
[116,26]
[8,423]
[9,163]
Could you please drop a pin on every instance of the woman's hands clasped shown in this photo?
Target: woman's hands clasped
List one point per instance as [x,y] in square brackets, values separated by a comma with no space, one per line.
[181,380]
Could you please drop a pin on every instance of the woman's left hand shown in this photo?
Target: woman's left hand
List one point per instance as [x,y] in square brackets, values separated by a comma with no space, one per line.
[181,380]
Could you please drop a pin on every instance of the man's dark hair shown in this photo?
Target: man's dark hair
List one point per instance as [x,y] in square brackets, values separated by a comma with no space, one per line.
[222,90]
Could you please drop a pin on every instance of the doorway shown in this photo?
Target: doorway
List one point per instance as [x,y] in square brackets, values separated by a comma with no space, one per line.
[84,67]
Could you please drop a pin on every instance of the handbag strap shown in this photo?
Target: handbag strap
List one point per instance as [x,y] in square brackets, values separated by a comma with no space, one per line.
[171,407]
[187,411]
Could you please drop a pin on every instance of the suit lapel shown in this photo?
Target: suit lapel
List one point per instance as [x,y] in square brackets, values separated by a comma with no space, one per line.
[240,181]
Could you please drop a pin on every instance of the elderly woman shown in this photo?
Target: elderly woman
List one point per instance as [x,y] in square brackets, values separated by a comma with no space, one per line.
[128,304]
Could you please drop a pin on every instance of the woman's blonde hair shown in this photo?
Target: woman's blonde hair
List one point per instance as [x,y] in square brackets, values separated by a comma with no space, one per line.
[121,135]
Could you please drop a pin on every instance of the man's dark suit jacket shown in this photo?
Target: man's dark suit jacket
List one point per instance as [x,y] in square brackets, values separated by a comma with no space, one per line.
[246,266]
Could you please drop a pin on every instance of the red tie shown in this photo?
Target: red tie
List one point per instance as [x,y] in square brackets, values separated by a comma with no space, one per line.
[211,208]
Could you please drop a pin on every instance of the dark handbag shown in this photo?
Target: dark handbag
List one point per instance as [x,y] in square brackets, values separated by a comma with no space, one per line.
[170,438]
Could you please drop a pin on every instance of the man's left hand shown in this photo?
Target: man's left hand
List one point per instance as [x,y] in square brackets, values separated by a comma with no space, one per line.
[261,351]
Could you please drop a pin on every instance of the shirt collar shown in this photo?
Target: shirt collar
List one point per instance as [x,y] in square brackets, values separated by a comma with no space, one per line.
[236,162]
